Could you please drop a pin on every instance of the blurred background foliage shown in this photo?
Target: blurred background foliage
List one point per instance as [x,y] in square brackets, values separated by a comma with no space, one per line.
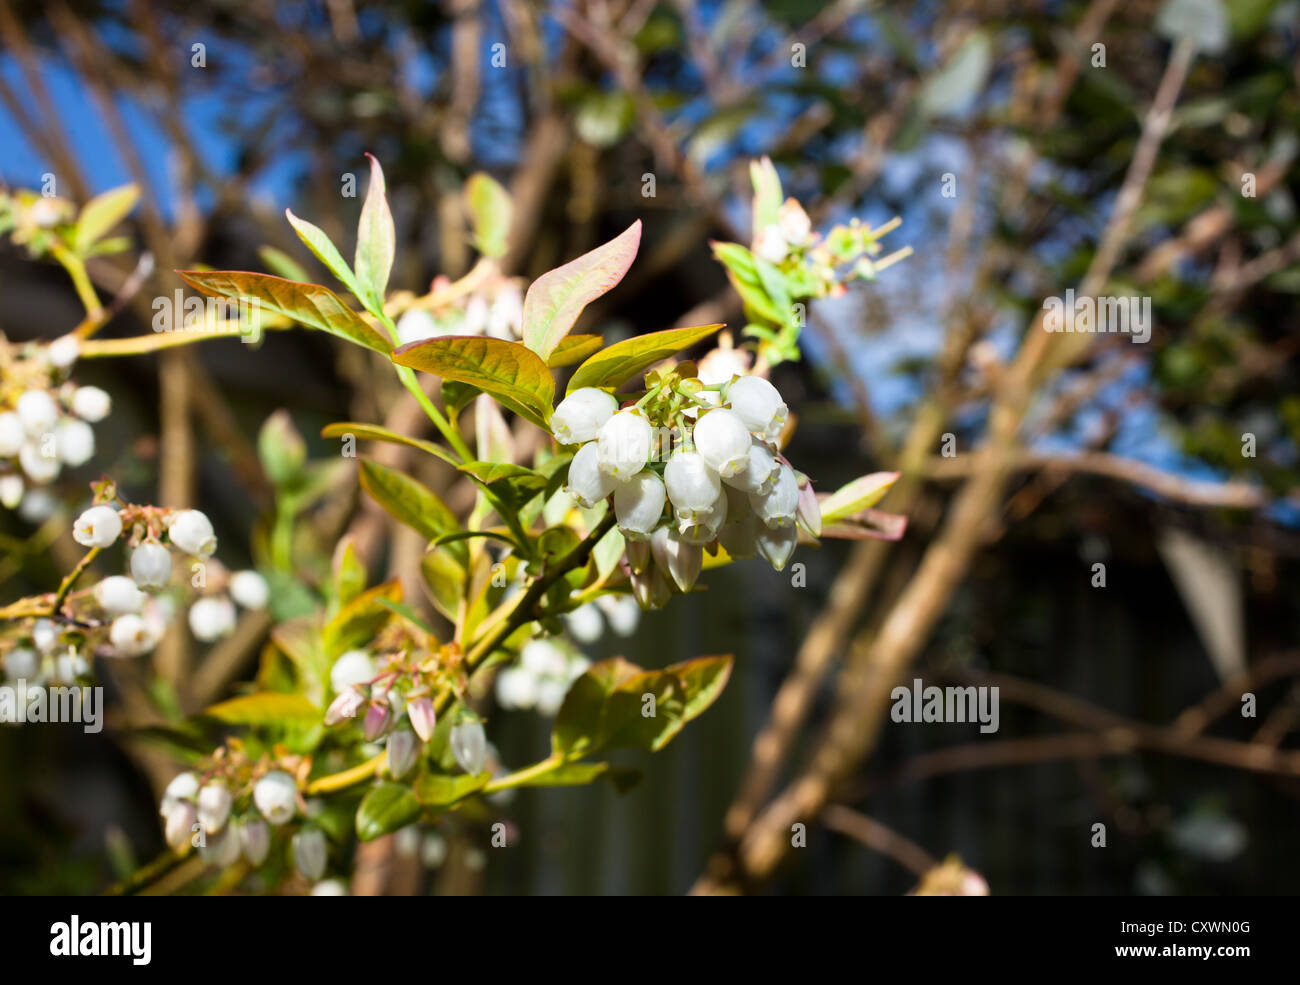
[867,109]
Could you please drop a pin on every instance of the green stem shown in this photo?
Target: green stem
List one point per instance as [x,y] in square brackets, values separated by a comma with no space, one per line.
[80,279]
[520,777]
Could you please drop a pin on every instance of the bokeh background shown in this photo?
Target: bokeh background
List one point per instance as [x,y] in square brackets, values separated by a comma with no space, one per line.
[869,110]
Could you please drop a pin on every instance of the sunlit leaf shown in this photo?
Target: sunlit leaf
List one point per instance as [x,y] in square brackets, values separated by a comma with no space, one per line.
[265,708]
[512,373]
[358,622]
[384,809]
[556,299]
[324,250]
[376,239]
[860,494]
[310,305]
[102,213]
[574,348]
[611,368]
[407,499]
[373,432]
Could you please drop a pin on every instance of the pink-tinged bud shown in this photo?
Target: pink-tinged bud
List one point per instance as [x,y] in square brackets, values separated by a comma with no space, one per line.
[346,705]
[402,752]
[378,718]
[180,823]
[255,837]
[808,514]
[424,719]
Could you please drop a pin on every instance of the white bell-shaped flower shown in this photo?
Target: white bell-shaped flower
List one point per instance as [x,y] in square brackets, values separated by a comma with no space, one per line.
[212,618]
[117,595]
[98,526]
[276,796]
[651,589]
[723,439]
[638,504]
[74,441]
[151,564]
[759,405]
[624,443]
[739,531]
[760,470]
[350,669]
[90,403]
[777,507]
[12,434]
[703,527]
[38,411]
[191,531]
[776,544]
[40,467]
[581,415]
[588,484]
[693,486]
[681,559]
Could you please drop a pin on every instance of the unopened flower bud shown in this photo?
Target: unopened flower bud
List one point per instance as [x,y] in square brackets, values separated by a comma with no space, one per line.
[276,796]
[132,636]
[379,716]
[255,838]
[212,618]
[63,351]
[651,589]
[99,526]
[74,441]
[345,706]
[12,488]
[469,745]
[310,853]
[809,512]
[638,554]
[423,717]
[249,589]
[683,561]
[12,434]
[581,415]
[151,564]
[38,412]
[90,403]
[401,753]
[191,531]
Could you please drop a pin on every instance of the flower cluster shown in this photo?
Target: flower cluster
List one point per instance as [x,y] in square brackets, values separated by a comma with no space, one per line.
[689,466]
[45,419]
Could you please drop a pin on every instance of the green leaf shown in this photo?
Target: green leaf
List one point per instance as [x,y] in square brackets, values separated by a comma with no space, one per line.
[314,238]
[406,613]
[281,264]
[349,579]
[577,727]
[310,305]
[300,640]
[384,809]
[265,708]
[630,718]
[444,574]
[515,375]
[457,396]
[440,790]
[358,622]
[373,432]
[408,499]
[519,477]
[101,214]
[556,299]
[491,212]
[612,367]
[862,493]
[573,349]
[743,272]
[376,240]
[702,680]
